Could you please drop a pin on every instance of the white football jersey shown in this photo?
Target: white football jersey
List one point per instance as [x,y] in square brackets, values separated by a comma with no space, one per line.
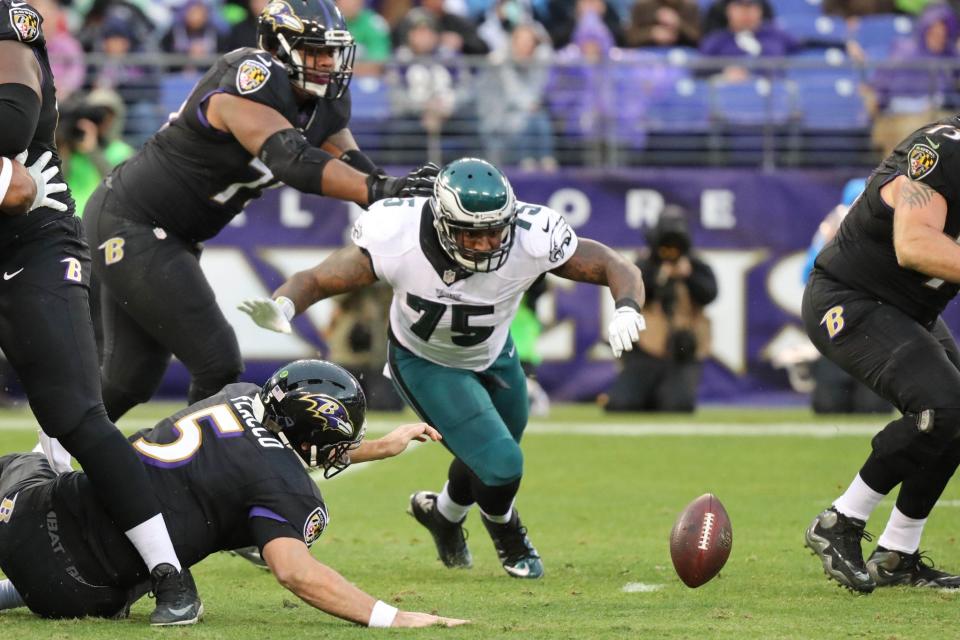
[461,323]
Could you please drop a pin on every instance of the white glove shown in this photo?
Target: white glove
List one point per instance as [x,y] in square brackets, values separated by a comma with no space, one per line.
[42,179]
[270,314]
[624,330]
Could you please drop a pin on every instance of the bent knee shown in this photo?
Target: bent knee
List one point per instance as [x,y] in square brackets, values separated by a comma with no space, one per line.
[498,463]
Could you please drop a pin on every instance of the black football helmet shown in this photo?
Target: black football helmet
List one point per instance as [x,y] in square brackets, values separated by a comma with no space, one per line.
[320,404]
[287,28]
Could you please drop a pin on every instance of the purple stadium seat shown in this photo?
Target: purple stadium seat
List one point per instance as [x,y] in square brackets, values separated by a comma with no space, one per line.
[831,103]
[877,33]
[754,103]
[812,26]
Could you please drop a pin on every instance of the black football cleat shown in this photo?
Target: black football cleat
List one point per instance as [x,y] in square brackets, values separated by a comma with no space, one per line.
[177,600]
[517,555]
[835,538]
[252,555]
[891,568]
[450,537]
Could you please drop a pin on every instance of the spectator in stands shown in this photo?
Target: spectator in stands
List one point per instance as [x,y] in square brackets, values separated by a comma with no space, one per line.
[194,32]
[457,34]
[596,99]
[65,51]
[715,18]
[906,98]
[857,8]
[663,23]
[915,7]
[514,122]
[663,372]
[244,33]
[425,89]
[371,33]
[137,85]
[102,12]
[501,19]
[561,18]
[747,34]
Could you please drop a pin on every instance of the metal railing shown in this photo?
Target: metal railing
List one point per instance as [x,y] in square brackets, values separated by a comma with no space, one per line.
[636,108]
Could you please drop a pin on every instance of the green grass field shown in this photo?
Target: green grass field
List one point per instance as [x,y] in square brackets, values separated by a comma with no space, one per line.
[599,497]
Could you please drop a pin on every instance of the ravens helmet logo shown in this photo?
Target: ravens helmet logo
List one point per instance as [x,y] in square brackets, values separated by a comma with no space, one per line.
[281,15]
[330,412]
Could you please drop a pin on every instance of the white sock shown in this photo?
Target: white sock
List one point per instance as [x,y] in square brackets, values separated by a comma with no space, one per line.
[153,542]
[505,518]
[449,509]
[9,598]
[902,533]
[858,501]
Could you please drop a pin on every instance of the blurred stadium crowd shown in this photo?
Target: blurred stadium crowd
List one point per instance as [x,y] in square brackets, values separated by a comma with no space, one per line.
[545,83]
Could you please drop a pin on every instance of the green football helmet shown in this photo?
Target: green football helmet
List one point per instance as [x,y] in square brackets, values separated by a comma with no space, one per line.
[472,195]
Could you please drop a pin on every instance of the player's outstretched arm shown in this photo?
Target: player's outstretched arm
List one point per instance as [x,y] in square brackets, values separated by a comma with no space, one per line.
[597,263]
[918,220]
[346,269]
[394,443]
[322,587]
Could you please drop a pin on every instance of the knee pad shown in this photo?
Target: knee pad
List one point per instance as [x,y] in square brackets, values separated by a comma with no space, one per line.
[915,438]
[498,463]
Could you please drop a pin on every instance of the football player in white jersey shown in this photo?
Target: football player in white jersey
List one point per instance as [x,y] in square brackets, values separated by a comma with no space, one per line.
[459,263]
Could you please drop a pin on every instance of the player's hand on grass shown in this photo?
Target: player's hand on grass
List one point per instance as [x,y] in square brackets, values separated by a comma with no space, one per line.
[410,619]
[625,329]
[44,181]
[266,313]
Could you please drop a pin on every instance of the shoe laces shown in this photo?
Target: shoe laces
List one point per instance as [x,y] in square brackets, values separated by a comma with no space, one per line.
[514,545]
[853,535]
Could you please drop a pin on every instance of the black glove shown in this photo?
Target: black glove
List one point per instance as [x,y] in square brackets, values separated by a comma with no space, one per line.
[416,183]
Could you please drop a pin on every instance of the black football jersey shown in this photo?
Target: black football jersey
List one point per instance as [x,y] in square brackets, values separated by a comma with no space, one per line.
[192,179]
[862,254]
[21,22]
[223,481]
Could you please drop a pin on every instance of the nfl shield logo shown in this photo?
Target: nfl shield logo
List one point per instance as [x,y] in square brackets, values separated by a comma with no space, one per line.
[251,75]
[449,276]
[26,23]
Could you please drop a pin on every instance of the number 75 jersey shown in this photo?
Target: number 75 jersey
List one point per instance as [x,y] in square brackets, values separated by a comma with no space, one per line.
[440,311]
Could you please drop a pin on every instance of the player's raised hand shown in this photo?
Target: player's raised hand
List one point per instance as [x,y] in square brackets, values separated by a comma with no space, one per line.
[266,313]
[44,181]
[410,619]
[625,329]
[418,182]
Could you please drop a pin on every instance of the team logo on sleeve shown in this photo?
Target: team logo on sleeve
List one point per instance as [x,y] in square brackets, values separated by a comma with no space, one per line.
[314,526]
[25,22]
[280,14]
[921,160]
[6,508]
[560,239]
[330,412]
[251,75]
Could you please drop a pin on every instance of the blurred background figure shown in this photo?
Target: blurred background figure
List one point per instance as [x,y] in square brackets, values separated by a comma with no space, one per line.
[514,121]
[906,98]
[747,34]
[457,34]
[561,18]
[195,33]
[371,33]
[357,340]
[663,373]
[244,32]
[65,51]
[525,331]
[663,23]
[834,390]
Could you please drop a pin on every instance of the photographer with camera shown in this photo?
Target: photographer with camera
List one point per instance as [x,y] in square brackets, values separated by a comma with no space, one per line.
[664,372]
[88,138]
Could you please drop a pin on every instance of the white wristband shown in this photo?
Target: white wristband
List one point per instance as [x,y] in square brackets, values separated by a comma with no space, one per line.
[287,307]
[382,615]
[6,174]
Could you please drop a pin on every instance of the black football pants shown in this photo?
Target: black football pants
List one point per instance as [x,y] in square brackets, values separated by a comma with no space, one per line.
[154,302]
[915,368]
[47,336]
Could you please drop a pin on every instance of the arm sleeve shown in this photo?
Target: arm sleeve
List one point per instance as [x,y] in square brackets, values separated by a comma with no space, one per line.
[19,113]
[294,161]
